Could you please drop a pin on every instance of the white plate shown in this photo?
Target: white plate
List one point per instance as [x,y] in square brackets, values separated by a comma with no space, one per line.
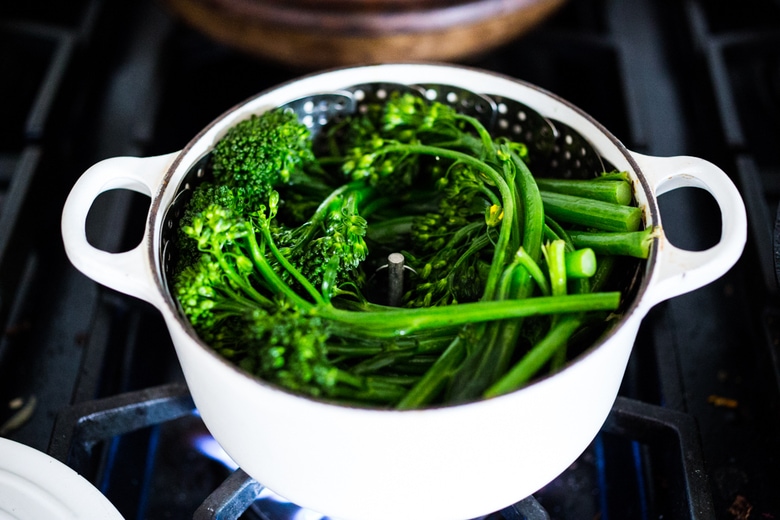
[35,486]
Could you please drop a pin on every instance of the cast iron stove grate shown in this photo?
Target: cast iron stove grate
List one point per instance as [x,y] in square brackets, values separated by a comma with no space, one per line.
[668,441]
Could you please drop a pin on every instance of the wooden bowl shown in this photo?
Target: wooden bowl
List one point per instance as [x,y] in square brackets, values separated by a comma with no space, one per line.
[325,33]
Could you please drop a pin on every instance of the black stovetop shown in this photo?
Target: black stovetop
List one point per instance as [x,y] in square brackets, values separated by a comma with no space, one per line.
[695,432]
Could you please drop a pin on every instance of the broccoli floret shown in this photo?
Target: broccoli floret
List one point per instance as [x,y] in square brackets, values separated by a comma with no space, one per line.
[262,152]
[240,304]
[204,195]
[335,256]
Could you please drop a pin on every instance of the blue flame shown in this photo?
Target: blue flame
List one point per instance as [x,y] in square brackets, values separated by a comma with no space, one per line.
[207,445]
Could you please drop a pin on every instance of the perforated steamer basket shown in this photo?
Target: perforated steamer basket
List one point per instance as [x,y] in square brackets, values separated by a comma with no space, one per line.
[450,462]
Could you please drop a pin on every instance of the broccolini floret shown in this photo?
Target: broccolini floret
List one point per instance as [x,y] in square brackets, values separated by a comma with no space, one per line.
[260,153]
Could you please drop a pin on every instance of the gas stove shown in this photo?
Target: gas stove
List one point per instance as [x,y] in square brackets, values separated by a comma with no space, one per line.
[90,377]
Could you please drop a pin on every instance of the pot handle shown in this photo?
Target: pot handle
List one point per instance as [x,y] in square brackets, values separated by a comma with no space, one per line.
[679,270]
[127,272]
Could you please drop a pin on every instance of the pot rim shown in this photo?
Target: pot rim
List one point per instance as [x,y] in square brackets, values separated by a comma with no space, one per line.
[634,310]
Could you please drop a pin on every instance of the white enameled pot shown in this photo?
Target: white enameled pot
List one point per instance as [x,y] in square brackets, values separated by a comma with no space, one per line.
[453,462]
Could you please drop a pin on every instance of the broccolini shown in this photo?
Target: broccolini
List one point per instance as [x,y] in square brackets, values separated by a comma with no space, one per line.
[282,254]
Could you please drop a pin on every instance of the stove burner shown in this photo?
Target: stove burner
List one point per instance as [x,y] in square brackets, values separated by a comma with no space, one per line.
[81,429]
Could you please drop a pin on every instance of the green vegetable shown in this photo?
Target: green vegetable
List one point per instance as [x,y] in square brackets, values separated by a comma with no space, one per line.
[615,191]
[282,254]
[536,358]
[629,243]
[591,213]
[581,263]
[260,153]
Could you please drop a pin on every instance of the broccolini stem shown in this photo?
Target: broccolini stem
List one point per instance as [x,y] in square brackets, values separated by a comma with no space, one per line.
[271,277]
[476,246]
[436,377]
[464,233]
[388,231]
[592,213]
[296,274]
[484,135]
[580,267]
[603,271]
[498,341]
[392,357]
[496,178]
[367,389]
[614,176]
[533,209]
[424,342]
[581,263]
[524,259]
[553,230]
[554,254]
[613,191]
[540,354]
[630,243]
[405,321]
[239,280]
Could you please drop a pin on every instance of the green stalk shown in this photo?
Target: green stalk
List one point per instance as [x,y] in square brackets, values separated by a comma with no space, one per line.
[630,243]
[389,231]
[271,277]
[368,390]
[484,135]
[475,247]
[537,357]
[239,280]
[614,176]
[435,378]
[464,233]
[603,272]
[580,263]
[525,260]
[392,357]
[612,191]
[269,241]
[497,343]
[533,209]
[553,231]
[591,213]
[322,210]
[497,265]
[555,255]
[403,321]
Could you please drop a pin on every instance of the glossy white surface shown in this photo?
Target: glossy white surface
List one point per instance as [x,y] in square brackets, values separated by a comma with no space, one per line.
[447,463]
[35,486]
